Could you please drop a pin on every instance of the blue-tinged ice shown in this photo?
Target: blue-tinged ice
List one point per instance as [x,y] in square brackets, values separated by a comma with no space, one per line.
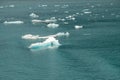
[51,42]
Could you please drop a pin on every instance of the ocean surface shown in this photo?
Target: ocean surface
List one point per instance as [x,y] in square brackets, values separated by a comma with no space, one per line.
[91,52]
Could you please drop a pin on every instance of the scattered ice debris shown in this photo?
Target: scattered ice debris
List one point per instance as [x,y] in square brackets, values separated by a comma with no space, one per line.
[78,27]
[62,34]
[53,25]
[51,20]
[35,37]
[70,17]
[61,19]
[33,15]
[86,11]
[13,22]
[50,42]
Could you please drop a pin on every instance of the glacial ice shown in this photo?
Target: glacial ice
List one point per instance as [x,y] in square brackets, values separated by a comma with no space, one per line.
[50,42]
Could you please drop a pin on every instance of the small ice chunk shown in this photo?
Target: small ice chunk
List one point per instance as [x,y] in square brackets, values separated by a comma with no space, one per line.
[87,12]
[53,25]
[78,27]
[33,15]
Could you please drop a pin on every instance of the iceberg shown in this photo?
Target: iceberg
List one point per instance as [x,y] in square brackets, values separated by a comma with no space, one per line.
[13,22]
[51,42]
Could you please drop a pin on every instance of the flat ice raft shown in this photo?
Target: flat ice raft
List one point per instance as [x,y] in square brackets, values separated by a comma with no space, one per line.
[51,42]
[13,22]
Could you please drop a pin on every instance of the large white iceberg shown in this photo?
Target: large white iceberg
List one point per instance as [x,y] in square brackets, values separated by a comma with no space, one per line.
[51,42]
[13,22]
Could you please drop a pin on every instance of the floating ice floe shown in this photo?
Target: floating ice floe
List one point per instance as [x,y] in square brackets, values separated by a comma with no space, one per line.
[30,36]
[50,42]
[53,25]
[33,15]
[13,22]
[11,6]
[51,20]
[35,37]
[87,12]
[78,27]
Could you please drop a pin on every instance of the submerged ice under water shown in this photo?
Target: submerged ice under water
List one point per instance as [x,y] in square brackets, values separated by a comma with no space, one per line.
[90,53]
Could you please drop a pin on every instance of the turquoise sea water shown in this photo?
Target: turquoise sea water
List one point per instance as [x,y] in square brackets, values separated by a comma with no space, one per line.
[90,53]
